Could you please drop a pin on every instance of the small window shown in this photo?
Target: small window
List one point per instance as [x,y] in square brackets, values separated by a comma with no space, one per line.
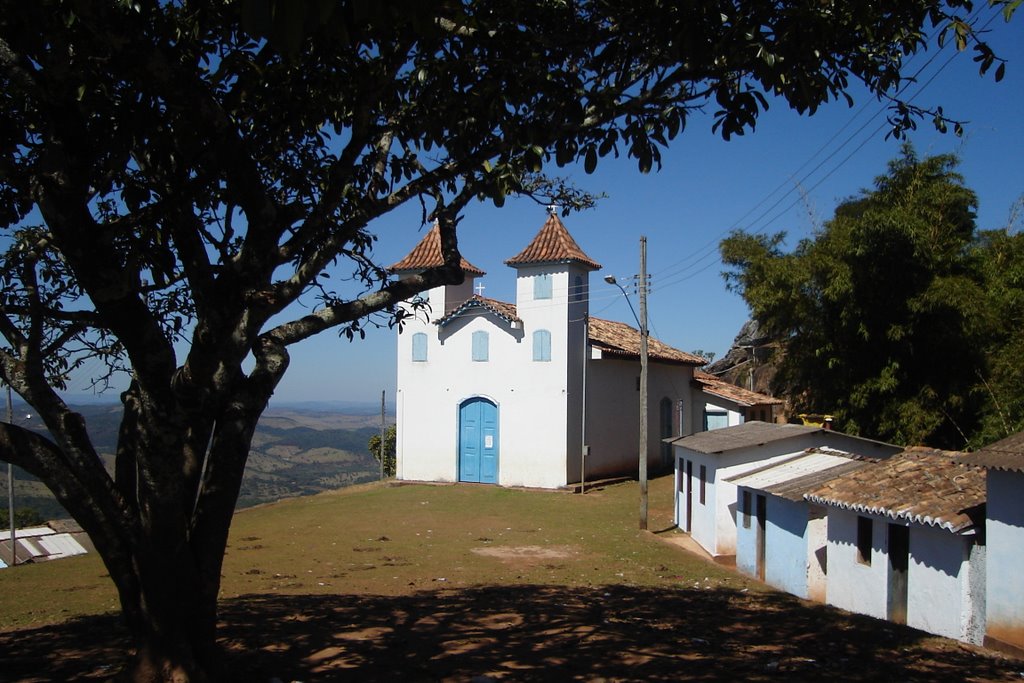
[577,289]
[864,528]
[715,419]
[542,345]
[746,509]
[542,286]
[419,347]
[480,343]
[703,482]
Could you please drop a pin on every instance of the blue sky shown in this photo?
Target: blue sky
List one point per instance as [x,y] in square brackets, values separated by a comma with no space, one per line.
[769,180]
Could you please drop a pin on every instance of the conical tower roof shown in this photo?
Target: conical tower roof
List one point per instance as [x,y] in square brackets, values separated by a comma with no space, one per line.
[427,254]
[553,244]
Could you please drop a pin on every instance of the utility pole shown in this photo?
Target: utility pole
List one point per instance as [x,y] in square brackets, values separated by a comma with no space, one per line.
[643,383]
[583,420]
[382,450]
[10,486]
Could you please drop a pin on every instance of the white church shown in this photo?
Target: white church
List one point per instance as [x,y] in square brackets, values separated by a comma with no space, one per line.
[535,393]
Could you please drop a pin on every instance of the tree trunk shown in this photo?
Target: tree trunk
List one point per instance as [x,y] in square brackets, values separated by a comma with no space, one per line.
[177,567]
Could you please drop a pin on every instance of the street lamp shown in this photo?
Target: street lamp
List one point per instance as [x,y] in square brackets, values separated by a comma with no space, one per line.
[641,321]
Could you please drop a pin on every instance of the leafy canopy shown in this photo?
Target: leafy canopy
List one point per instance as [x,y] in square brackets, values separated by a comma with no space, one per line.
[894,316]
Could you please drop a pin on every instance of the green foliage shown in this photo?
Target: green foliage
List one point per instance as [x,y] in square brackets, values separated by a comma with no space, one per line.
[881,313]
[23,517]
[708,356]
[1000,259]
[389,449]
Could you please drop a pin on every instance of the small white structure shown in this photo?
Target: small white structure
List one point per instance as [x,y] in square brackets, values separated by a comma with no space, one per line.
[535,393]
[705,501]
[780,537]
[38,544]
[903,543]
[727,405]
[1004,530]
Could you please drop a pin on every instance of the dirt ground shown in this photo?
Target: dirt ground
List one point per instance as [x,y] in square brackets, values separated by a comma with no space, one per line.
[500,600]
[532,633]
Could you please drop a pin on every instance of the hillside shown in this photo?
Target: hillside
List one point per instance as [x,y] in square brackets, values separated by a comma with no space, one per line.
[469,582]
[296,451]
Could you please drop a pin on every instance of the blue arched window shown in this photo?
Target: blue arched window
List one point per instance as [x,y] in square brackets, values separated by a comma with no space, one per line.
[419,347]
[480,343]
[542,345]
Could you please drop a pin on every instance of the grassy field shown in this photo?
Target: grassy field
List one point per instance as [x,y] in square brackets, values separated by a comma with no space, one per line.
[456,582]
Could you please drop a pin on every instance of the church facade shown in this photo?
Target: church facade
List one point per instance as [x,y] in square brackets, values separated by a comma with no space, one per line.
[534,393]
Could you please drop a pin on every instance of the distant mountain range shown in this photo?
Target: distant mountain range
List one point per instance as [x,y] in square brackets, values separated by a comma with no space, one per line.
[298,449]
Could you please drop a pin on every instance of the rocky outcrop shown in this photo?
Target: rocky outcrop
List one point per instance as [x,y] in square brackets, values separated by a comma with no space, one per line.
[750,362]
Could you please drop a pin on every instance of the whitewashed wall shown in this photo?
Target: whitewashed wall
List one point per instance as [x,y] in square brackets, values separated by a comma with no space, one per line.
[787,542]
[713,525]
[532,398]
[817,553]
[746,536]
[851,585]
[1005,561]
[786,545]
[613,412]
[943,596]
[939,595]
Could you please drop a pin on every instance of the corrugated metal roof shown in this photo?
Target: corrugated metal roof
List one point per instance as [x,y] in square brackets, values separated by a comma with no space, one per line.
[1006,455]
[792,478]
[752,433]
[552,244]
[427,254]
[719,387]
[59,546]
[920,485]
[506,312]
[39,547]
[32,531]
[619,339]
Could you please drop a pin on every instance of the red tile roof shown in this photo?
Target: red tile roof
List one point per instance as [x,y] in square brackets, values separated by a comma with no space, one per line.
[619,339]
[1006,455]
[719,387]
[427,254]
[553,244]
[501,309]
[921,485]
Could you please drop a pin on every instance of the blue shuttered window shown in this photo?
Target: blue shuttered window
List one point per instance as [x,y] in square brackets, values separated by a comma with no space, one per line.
[480,342]
[542,345]
[542,287]
[419,347]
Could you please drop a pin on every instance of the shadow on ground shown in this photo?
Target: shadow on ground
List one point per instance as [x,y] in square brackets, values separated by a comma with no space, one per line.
[531,633]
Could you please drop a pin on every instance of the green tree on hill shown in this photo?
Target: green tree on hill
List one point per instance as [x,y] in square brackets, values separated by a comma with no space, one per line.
[388,452]
[175,175]
[23,517]
[894,316]
[1000,258]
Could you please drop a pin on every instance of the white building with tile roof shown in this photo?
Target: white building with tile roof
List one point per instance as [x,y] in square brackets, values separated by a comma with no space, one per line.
[533,393]
[707,464]
[1004,531]
[905,542]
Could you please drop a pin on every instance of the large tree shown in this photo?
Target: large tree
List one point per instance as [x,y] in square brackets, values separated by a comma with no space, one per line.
[882,314]
[175,175]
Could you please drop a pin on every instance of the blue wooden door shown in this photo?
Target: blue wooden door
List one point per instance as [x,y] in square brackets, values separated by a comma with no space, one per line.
[478,441]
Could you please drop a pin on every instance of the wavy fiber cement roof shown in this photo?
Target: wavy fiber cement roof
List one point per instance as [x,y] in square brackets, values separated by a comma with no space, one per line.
[920,485]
